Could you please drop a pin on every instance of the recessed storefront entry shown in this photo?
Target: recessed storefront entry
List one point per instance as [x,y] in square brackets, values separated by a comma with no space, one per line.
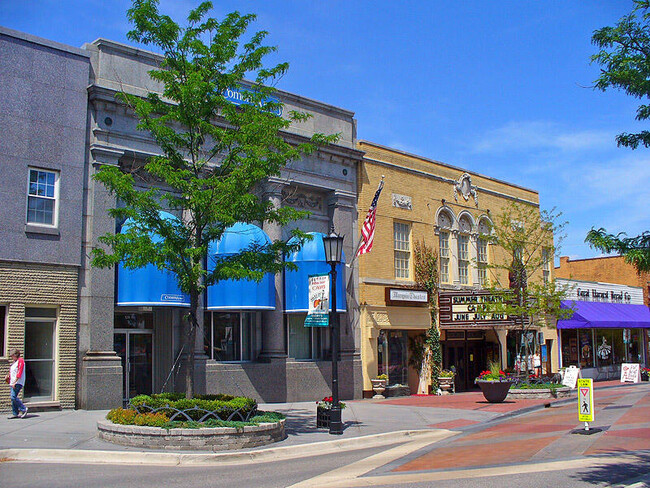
[135,349]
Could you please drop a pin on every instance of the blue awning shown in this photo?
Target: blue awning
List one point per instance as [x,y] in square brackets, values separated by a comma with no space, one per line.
[310,260]
[240,294]
[148,286]
[588,315]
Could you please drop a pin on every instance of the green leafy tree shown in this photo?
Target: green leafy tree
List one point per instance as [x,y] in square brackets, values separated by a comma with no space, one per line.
[426,277]
[519,275]
[214,155]
[624,58]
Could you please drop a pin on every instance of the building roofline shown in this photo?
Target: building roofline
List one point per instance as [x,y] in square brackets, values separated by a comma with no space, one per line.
[450,166]
[599,283]
[299,99]
[569,260]
[23,36]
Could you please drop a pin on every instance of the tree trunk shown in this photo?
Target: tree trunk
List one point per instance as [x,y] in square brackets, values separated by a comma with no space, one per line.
[190,339]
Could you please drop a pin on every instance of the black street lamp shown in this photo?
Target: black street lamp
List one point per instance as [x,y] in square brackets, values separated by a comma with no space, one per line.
[333,244]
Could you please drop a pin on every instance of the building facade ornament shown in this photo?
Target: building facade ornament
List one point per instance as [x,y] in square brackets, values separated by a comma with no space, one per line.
[465,188]
[302,199]
[402,201]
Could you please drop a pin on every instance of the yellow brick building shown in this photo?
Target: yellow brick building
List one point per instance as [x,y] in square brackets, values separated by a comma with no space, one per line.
[448,208]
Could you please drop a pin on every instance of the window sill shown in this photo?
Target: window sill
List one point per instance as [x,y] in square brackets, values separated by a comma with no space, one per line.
[40,229]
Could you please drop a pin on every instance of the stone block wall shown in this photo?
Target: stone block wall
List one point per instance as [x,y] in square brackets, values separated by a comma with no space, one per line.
[38,285]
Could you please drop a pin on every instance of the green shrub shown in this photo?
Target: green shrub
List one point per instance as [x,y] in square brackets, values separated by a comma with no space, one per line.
[151,419]
[222,405]
[122,416]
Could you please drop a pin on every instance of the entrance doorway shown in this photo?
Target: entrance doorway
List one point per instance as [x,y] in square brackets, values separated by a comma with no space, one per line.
[134,346]
[468,358]
[393,359]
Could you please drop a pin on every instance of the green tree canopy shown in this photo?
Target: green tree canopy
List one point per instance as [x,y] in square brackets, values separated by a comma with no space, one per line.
[214,154]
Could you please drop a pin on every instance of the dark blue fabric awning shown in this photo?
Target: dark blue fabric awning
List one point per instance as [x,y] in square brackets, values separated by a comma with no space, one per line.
[148,286]
[239,294]
[310,260]
[598,314]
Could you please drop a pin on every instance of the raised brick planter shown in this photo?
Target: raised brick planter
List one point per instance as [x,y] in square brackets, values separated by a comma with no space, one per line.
[208,439]
[532,393]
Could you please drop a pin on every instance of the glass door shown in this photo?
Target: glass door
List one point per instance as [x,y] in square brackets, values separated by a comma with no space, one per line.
[135,349]
[397,359]
[39,359]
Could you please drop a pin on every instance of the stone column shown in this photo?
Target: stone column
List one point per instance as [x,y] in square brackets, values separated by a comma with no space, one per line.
[273,331]
[100,368]
[343,216]
[502,334]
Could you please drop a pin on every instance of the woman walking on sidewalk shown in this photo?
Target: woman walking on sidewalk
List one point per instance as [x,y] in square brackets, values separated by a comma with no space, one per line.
[16,380]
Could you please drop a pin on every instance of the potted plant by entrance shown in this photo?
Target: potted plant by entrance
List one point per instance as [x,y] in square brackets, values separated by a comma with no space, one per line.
[494,384]
[645,374]
[379,385]
[446,381]
[323,410]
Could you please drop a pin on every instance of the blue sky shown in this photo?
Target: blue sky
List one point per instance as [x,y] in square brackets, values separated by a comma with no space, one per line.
[501,88]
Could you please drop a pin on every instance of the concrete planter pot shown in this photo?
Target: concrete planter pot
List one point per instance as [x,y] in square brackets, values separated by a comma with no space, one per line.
[494,391]
[379,387]
[538,393]
[446,384]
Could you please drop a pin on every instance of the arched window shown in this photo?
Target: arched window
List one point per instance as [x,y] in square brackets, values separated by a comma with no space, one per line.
[484,229]
[444,222]
[464,228]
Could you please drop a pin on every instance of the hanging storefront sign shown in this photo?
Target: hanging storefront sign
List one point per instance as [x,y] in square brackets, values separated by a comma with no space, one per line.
[319,301]
[406,297]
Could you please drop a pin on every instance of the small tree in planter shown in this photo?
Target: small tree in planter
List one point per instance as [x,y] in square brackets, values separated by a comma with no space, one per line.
[426,277]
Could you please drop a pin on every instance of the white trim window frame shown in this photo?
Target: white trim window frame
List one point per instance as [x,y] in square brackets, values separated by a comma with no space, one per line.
[546,262]
[402,249]
[42,206]
[463,259]
[443,239]
[482,259]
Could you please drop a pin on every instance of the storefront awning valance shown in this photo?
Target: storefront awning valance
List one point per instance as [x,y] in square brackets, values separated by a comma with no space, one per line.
[588,315]
[310,259]
[148,286]
[240,294]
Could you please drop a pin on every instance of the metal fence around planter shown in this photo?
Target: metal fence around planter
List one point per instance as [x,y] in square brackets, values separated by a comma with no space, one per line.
[242,415]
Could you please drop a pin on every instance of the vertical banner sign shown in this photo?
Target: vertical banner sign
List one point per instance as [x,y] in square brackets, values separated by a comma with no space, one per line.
[319,301]
[585,400]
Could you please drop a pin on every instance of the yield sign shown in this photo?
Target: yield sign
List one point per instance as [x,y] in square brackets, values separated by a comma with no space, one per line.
[584,392]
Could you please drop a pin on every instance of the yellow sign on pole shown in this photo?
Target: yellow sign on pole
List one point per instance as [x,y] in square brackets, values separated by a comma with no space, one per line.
[585,400]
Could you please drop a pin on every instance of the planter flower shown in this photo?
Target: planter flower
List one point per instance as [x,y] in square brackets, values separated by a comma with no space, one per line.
[494,384]
[446,381]
[645,374]
[323,409]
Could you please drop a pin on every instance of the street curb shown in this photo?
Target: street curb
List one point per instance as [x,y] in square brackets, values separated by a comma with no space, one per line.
[79,456]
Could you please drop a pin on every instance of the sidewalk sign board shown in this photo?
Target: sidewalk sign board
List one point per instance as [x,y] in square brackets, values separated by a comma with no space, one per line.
[630,373]
[571,375]
[585,401]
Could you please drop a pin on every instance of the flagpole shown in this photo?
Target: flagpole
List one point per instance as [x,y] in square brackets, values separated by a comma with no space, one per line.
[356,250]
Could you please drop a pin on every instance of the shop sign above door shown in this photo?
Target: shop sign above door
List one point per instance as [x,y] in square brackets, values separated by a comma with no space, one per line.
[403,296]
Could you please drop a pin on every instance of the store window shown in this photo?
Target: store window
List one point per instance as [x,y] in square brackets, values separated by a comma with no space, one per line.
[402,240]
[42,196]
[40,333]
[393,356]
[306,342]
[230,336]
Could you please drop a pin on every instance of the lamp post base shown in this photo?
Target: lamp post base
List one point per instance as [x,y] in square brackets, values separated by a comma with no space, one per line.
[336,426]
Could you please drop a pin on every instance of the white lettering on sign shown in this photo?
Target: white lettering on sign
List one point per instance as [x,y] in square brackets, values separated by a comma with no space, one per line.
[409,295]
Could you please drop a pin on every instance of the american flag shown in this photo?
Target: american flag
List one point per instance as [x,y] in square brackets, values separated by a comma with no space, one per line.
[368,228]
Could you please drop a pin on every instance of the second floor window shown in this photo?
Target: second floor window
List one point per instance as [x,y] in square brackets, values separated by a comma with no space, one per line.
[42,195]
[463,259]
[482,259]
[444,257]
[546,265]
[402,238]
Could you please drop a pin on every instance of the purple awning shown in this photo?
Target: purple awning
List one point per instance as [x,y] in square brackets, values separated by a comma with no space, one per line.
[597,314]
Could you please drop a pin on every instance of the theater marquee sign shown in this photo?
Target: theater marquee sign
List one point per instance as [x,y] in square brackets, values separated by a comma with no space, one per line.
[461,309]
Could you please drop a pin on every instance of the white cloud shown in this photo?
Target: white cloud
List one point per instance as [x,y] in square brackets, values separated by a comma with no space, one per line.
[541,135]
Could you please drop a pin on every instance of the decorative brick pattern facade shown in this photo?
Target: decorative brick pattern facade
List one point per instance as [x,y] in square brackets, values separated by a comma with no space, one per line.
[28,284]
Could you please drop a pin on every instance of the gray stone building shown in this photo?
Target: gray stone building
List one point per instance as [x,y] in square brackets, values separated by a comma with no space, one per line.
[43,110]
[64,120]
